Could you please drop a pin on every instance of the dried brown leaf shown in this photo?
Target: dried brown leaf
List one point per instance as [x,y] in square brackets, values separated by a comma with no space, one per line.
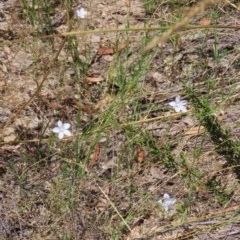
[127,3]
[103,103]
[2,85]
[110,50]
[140,154]
[95,156]
[94,79]
[156,173]
[10,138]
[195,131]
[105,51]
[204,21]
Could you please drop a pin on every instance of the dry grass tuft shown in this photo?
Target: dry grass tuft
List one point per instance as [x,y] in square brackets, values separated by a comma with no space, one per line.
[192,12]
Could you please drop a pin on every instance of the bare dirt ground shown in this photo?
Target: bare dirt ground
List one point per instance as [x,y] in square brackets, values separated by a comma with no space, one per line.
[43,197]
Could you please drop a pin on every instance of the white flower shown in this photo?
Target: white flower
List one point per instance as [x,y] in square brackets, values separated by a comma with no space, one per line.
[82,13]
[178,105]
[167,202]
[62,129]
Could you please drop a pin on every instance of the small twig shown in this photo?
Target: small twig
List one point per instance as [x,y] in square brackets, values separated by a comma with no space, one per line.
[119,214]
[173,115]
[131,29]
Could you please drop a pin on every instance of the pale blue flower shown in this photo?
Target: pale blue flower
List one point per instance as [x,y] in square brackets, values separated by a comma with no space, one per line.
[82,13]
[62,129]
[167,202]
[178,105]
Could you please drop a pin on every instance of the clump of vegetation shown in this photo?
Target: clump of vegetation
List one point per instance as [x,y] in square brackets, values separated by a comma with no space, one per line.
[100,137]
[220,136]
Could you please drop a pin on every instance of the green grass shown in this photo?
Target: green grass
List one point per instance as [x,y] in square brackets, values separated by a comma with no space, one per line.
[65,191]
[152,5]
[220,136]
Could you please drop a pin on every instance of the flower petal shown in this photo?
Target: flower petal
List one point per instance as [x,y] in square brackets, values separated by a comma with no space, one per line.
[173,104]
[60,135]
[67,132]
[182,109]
[56,130]
[166,196]
[81,13]
[167,202]
[66,126]
[60,124]
[166,207]
[184,102]
[178,99]
[171,201]
[177,109]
